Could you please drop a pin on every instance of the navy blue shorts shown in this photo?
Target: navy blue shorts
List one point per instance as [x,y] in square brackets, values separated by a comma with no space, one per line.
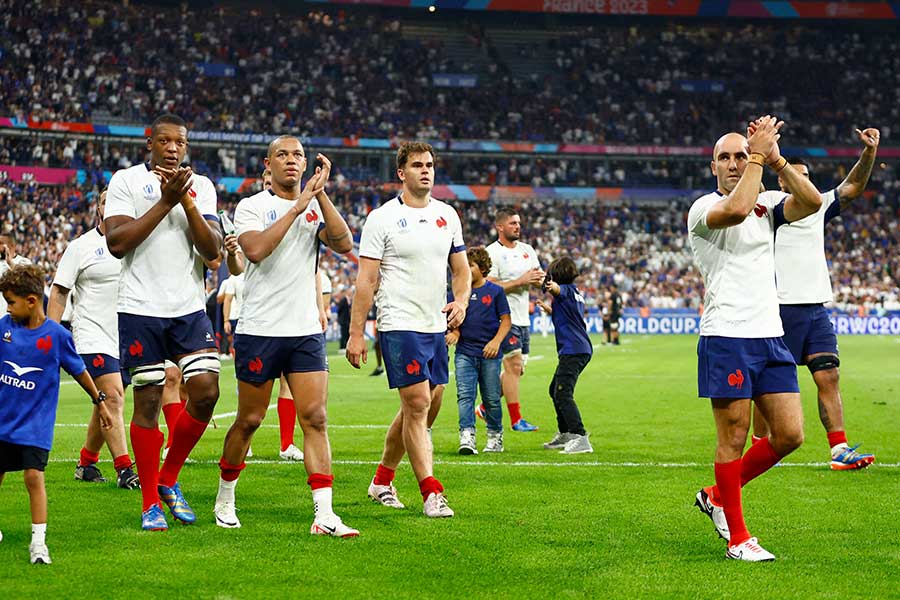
[411,357]
[807,330]
[259,358]
[744,367]
[104,364]
[518,338]
[16,457]
[149,340]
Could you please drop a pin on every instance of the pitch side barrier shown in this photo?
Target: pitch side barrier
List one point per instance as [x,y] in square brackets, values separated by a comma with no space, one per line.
[688,323]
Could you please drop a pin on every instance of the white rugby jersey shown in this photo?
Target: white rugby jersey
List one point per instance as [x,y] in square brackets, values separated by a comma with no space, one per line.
[234,286]
[414,246]
[159,277]
[801,270]
[508,264]
[17,260]
[738,268]
[91,273]
[280,290]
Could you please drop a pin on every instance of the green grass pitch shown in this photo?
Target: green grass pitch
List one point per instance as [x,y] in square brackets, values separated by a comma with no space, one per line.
[530,523]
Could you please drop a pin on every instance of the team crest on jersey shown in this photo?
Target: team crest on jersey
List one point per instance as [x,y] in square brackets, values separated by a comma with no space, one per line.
[760,210]
[441,222]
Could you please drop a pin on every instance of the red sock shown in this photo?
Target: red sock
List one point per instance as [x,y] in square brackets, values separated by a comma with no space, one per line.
[429,486]
[320,480]
[834,438]
[287,421]
[230,472]
[170,413]
[147,444]
[515,412]
[759,458]
[185,436]
[728,482]
[122,462]
[383,475]
[87,457]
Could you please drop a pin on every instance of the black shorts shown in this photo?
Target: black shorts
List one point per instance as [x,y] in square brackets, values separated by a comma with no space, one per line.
[14,457]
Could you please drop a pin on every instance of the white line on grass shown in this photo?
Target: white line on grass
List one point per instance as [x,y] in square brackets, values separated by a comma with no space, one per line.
[530,463]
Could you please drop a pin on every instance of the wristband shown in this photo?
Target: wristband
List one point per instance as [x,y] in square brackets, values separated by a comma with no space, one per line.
[779,165]
[101,397]
[757,158]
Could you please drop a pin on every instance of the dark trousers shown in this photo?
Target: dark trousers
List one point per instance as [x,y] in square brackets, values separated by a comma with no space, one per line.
[345,333]
[562,392]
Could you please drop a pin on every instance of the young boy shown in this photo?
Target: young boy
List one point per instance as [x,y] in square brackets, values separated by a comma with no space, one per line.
[574,348]
[477,355]
[32,350]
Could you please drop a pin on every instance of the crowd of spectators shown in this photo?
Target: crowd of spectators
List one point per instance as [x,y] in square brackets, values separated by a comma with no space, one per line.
[352,72]
[96,156]
[643,249]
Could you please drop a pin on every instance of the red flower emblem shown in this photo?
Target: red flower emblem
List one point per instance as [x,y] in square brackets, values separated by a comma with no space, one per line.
[525,255]
[760,210]
[255,365]
[136,348]
[99,361]
[414,367]
[311,216]
[192,193]
[44,344]
[736,379]
[486,300]
[513,340]
[441,222]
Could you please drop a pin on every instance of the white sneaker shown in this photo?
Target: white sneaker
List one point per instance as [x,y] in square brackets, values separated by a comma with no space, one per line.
[40,555]
[436,506]
[467,442]
[385,494]
[577,445]
[559,441]
[494,443]
[226,515]
[750,551]
[292,452]
[332,525]
[715,513]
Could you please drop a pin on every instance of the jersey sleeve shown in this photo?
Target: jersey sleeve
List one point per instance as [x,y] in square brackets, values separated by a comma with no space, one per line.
[206,199]
[119,202]
[696,220]
[248,217]
[69,359]
[372,242]
[831,205]
[501,304]
[68,268]
[458,244]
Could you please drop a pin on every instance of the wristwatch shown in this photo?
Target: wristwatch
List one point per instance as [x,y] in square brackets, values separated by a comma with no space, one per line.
[101,397]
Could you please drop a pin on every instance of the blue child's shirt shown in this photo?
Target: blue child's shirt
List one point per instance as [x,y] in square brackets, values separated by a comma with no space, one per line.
[568,322]
[30,360]
[486,305]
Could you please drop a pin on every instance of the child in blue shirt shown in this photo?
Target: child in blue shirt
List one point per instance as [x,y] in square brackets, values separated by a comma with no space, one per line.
[574,349]
[32,350]
[477,360]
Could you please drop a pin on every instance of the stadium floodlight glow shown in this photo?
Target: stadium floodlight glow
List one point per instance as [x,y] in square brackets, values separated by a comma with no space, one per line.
[432,8]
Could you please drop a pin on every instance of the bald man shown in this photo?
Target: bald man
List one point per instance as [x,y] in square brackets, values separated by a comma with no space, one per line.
[742,358]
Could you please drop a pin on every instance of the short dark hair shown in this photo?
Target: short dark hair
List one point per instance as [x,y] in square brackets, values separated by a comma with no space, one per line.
[504,213]
[562,270]
[796,160]
[9,235]
[408,148]
[167,119]
[23,280]
[274,143]
[480,257]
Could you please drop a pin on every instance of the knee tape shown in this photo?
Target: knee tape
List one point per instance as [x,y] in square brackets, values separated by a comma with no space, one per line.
[823,363]
[148,375]
[196,364]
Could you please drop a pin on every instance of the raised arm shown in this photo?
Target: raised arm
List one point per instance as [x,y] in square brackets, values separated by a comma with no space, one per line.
[336,234]
[855,183]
